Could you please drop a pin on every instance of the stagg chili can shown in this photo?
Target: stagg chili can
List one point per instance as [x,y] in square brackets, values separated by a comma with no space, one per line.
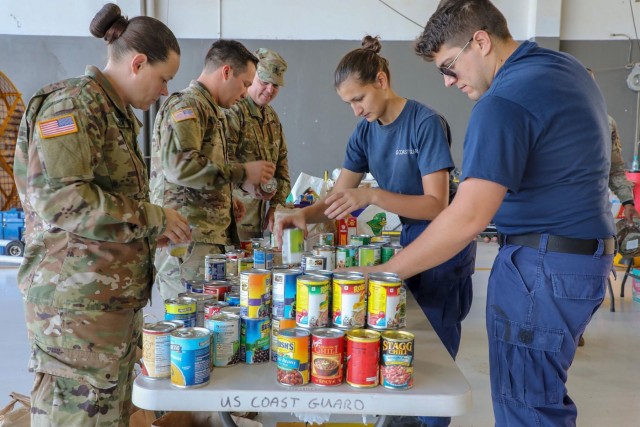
[255,340]
[201,301]
[156,349]
[213,308]
[329,253]
[190,357]
[368,255]
[255,296]
[263,258]
[215,267]
[181,308]
[384,308]
[388,251]
[363,357]
[349,301]
[293,356]
[284,293]
[346,256]
[276,326]
[396,360]
[312,301]
[225,330]
[327,356]
[217,288]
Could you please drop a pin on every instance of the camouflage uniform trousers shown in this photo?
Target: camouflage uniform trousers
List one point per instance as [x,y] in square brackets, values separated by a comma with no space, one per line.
[84,365]
[171,273]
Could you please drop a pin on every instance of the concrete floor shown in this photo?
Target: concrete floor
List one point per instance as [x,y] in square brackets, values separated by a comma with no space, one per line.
[604,380]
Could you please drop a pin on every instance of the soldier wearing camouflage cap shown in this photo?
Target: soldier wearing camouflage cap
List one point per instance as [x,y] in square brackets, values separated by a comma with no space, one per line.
[91,231]
[190,168]
[255,133]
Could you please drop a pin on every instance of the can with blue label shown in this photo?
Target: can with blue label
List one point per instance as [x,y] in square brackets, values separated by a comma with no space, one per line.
[255,340]
[215,267]
[181,308]
[263,258]
[190,357]
[284,293]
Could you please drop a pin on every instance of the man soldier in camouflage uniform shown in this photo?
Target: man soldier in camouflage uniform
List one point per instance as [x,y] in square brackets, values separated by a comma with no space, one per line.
[190,170]
[90,229]
[618,182]
[255,133]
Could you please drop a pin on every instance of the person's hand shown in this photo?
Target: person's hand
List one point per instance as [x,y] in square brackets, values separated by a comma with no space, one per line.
[629,212]
[239,210]
[344,202]
[177,230]
[296,220]
[162,242]
[256,192]
[268,219]
[258,172]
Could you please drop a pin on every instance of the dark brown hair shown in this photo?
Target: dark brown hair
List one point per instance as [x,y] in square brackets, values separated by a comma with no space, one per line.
[229,52]
[454,21]
[141,34]
[364,63]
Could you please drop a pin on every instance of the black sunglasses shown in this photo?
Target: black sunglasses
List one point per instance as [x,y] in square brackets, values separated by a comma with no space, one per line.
[447,71]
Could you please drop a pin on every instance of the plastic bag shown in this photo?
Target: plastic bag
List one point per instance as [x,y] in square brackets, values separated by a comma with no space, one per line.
[10,416]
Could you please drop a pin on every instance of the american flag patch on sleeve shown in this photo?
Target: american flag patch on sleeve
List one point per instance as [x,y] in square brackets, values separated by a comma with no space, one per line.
[57,126]
[184,114]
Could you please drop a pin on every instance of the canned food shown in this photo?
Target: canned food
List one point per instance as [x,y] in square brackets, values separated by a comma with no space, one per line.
[284,293]
[196,286]
[247,248]
[360,240]
[190,357]
[380,239]
[293,356]
[217,288]
[255,340]
[245,264]
[368,255]
[349,301]
[329,253]
[235,310]
[325,239]
[156,349]
[327,355]
[225,330]
[363,356]
[314,262]
[384,301]
[388,251]
[396,360]
[232,261]
[255,286]
[276,326]
[312,301]
[292,245]
[263,258]
[201,300]
[181,308]
[346,256]
[270,186]
[213,308]
[215,267]
[256,243]
[232,298]
[403,307]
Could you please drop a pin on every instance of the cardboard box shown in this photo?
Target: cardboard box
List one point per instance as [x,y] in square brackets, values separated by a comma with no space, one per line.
[346,228]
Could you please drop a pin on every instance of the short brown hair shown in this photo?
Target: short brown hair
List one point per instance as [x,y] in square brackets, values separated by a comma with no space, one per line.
[229,52]
[454,21]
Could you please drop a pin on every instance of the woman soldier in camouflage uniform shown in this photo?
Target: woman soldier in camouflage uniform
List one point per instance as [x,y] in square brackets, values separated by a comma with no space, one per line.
[91,230]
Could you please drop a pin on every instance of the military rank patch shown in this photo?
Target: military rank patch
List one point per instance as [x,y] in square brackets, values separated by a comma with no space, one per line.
[62,125]
[184,114]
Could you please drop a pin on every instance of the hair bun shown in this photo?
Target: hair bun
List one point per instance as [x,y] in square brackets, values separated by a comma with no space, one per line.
[371,43]
[108,23]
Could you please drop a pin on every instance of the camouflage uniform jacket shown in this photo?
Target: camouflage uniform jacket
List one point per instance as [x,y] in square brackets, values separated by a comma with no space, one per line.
[255,133]
[90,229]
[190,171]
[618,182]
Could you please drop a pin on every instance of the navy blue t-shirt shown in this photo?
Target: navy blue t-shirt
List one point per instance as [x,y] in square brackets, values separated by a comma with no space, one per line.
[399,154]
[541,130]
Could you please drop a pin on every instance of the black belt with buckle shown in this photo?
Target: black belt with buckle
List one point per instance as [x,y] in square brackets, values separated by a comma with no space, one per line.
[561,244]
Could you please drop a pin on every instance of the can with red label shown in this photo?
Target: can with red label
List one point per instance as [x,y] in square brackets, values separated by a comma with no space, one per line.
[217,288]
[384,306]
[396,360]
[327,356]
[363,357]
[349,302]
[213,308]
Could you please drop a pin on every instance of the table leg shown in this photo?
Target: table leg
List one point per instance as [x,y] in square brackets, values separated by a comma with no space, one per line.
[381,422]
[226,419]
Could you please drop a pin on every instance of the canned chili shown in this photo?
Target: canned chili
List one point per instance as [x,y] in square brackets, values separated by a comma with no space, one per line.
[327,356]
[396,360]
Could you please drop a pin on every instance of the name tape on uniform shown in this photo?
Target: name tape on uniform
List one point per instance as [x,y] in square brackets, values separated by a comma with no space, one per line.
[62,125]
[184,114]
